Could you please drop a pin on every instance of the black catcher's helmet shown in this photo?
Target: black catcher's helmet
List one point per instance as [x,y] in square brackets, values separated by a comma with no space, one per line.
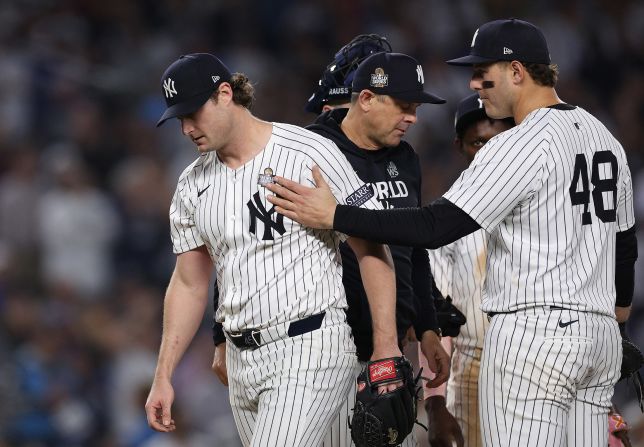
[335,84]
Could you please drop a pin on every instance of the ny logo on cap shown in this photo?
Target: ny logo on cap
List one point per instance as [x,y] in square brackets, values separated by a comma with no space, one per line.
[379,78]
[419,72]
[168,87]
[476,33]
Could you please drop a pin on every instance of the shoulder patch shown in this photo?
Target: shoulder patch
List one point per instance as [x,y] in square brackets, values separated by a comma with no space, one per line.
[360,196]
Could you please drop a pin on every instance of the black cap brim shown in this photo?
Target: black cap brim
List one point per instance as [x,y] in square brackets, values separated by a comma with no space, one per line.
[470,59]
[184,108]
[418,97]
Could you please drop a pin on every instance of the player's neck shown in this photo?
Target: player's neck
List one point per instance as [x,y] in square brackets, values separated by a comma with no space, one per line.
[248,138]
[355,131]
[536,97]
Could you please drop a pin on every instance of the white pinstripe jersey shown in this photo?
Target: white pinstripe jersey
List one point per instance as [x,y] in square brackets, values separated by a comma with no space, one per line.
[459,271]
[551,192]
[269,269]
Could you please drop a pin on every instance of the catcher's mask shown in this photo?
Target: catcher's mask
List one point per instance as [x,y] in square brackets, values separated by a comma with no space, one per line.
[335,84]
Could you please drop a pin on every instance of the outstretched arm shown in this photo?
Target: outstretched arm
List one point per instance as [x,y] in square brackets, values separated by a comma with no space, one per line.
[430,226]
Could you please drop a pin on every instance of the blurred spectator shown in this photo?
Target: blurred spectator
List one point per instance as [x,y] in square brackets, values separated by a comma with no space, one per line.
[77,225]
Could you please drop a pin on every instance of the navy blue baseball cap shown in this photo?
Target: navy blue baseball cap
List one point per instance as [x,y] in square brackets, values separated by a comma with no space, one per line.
[188,83]
[468,110]
[396,75]
[506,40]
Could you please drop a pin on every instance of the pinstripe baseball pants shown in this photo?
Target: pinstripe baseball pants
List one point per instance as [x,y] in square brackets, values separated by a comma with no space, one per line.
[462,397]
[286,392]
[547,378]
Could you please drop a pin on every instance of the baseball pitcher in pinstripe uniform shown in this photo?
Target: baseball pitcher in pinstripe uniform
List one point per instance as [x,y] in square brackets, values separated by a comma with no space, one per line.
[554,194]
[290,358]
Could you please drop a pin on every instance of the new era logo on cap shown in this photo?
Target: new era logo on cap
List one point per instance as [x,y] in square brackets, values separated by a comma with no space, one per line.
[506,40]
[393,74]
[188,83]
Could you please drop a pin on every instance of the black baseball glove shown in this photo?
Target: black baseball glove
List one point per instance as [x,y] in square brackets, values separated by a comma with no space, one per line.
[632,361]
[450,319]
[384,419]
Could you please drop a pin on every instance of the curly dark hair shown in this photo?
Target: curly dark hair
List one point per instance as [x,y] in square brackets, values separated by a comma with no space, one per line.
[243,90]
[543,74]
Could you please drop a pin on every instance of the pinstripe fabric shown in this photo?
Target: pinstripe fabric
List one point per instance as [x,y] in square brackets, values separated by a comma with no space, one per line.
[264,282]
[552,192]
[543,385]
[459,271]
[287,392]
[517,189]
[272,271]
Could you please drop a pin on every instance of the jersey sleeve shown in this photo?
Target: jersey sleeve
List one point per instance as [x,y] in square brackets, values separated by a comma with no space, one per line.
[183,231]
[442,262]
[504,173]
[625,210]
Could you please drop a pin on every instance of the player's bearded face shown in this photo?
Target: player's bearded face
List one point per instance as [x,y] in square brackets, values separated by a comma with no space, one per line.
[391,118]
[207,127]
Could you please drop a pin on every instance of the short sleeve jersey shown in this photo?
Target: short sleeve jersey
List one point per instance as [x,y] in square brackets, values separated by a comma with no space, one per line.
[269,269]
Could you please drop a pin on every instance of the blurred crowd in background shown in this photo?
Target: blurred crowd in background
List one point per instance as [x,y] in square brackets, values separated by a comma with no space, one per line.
[86,178]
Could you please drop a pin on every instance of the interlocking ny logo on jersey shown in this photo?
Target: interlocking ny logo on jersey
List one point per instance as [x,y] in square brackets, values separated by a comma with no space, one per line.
[168,87]
[258,211]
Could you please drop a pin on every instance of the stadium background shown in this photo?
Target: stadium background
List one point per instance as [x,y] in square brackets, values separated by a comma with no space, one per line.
[86,178]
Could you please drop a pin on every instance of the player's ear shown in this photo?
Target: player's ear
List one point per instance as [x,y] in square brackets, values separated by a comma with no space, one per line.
[517,71]
[365,99]
[224,93]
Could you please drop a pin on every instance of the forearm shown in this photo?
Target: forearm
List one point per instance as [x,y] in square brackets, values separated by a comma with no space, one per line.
[377,271]
[185,302]
[183,310]
[424,290]
[218,336]
[440,390]
[625,257]
[431,226]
